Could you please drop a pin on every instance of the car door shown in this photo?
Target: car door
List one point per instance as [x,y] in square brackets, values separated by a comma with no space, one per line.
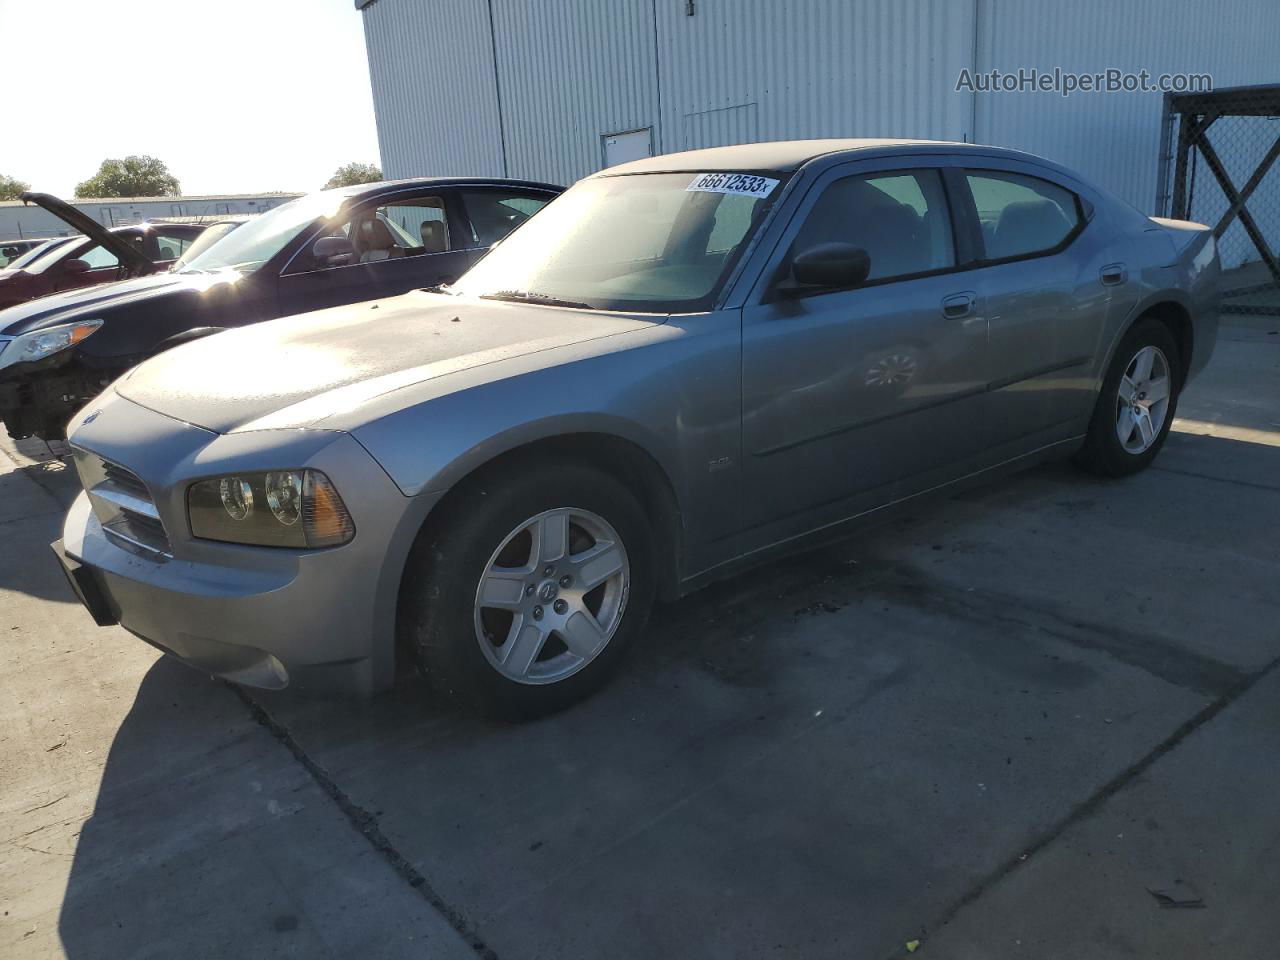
[103,266]
[1047,281]
[395,244]
[854,397]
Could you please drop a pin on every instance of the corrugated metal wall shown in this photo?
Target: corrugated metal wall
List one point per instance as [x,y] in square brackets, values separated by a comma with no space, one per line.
[743,70]
[572,71]
[1114,138]
[431,65]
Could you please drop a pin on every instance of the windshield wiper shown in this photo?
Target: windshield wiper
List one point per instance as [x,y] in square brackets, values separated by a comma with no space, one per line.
[524,296]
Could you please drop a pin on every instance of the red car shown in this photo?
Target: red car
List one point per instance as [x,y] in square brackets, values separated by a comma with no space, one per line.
[98,256]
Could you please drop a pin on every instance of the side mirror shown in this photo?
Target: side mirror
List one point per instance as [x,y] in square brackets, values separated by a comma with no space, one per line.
[333,251]
[838,265]
[76,266]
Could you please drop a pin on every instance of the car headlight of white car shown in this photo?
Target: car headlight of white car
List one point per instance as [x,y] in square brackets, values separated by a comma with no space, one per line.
[278,508]
[39,344]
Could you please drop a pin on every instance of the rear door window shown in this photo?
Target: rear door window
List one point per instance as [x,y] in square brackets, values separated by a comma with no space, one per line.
[495,212]
[1022,216]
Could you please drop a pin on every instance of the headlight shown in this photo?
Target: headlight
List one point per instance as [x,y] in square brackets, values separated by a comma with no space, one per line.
[283,508]
[39,344]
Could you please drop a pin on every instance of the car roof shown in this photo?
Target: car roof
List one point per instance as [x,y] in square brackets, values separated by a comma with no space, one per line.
[786,156]
[382,186]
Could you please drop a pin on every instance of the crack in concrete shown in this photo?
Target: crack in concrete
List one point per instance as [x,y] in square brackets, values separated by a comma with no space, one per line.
[1153,654]
[366,824]
[1094,803]
[1270,488]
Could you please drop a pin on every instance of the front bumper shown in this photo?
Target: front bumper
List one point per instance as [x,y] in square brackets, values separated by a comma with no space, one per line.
[260,616]
[37,399]
[244,625]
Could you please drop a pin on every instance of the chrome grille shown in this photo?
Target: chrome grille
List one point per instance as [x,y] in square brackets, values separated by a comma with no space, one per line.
[124,479]
[123,505]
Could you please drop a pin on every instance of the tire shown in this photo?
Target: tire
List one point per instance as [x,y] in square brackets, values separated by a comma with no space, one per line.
[1104,451]
[477,654]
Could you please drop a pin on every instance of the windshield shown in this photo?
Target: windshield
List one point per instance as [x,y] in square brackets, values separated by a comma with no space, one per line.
[653,243]
[207,238]
[254,243]
[36,252]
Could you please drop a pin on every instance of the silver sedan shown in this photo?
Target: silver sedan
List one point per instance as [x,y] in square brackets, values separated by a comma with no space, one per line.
[681,366]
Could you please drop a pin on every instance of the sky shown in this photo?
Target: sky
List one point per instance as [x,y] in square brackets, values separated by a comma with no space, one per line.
[236,96]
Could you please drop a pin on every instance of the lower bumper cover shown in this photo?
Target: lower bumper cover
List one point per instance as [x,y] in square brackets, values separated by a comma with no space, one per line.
[204,616]
[87,586]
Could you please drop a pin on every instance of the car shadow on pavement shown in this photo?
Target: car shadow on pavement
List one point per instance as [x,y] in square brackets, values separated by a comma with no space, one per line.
[204,828]
[206,839]
[33,500]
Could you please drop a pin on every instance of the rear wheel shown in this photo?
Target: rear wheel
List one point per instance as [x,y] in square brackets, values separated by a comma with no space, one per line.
[1136,406]
[525,600]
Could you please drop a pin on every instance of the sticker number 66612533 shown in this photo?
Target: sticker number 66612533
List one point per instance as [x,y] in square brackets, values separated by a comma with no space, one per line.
[745,183]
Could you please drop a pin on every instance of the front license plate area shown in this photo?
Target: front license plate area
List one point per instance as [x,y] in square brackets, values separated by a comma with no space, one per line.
[87,587]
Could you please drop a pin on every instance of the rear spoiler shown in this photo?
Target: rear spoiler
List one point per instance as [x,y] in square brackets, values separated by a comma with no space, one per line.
[125,252]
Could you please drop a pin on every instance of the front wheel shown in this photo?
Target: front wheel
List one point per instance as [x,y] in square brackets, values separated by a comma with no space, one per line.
[525,599]
[1136,405]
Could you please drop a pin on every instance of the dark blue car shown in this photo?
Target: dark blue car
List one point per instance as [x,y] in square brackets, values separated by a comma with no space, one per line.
[322,250]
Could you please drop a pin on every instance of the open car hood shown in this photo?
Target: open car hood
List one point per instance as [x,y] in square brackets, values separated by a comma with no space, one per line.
[127,253]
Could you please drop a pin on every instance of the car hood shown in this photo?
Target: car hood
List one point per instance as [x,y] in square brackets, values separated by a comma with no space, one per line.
[132,258]
[297,371]
[89,302]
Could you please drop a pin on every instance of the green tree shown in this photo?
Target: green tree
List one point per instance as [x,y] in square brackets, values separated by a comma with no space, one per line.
[11,188]
[348,175]
[131,177]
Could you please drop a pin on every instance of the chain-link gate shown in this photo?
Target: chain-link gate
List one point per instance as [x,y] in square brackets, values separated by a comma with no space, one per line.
[1218,167]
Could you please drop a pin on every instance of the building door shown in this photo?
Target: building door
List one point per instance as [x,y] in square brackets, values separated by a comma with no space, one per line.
[625,147]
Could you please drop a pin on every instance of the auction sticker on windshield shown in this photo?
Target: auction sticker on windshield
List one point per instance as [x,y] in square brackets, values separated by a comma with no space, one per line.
[744,183]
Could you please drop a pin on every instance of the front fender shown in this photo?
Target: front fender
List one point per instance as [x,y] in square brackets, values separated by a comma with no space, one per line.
[676,399]
[453,454]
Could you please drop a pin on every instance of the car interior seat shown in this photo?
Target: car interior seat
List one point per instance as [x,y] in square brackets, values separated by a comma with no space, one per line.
[1025,226]
[433,236]
[377,242]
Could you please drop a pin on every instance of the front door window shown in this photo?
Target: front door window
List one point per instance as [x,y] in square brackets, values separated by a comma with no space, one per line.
[405,229]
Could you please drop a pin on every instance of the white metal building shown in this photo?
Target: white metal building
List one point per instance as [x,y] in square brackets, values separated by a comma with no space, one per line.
[19,220]
[555,89]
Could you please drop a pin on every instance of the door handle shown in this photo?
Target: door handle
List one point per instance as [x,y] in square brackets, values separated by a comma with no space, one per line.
[958,305]
[1113,274]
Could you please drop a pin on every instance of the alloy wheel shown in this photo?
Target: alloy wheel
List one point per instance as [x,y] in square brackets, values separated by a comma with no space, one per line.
[552,596]
[1142,403]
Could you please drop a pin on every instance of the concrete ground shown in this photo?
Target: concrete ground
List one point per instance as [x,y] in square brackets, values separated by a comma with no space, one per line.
[991,729]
